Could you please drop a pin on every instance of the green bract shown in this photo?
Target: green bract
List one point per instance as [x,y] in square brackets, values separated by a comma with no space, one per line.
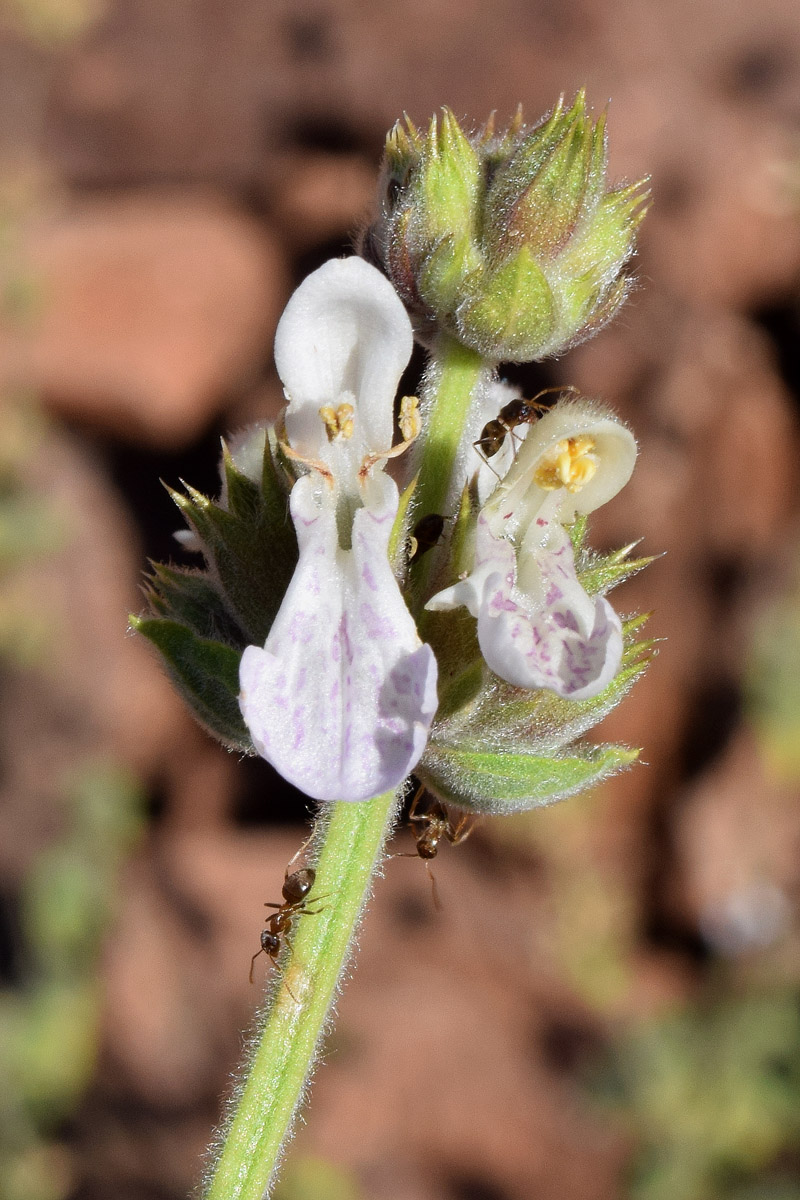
[201,621]
[511,242]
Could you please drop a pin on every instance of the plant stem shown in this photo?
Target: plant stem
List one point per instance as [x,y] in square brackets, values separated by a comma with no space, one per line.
[350,847]
[449,389]
[453,376]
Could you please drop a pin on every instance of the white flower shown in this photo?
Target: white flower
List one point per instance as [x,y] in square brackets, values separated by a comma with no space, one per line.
[342,695]
[537,627]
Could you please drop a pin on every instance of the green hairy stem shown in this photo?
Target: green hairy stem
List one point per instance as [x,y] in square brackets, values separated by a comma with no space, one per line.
[350,846]
[454,374]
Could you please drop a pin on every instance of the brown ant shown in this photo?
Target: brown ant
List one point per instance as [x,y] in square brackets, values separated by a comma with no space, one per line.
[517,412]
[430,827]
[425,535]
[295,899]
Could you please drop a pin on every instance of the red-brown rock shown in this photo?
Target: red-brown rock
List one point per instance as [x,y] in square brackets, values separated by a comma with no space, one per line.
[150,312]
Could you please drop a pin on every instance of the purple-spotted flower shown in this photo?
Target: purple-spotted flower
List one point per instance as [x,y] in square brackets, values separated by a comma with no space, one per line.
[341,697]
[537,627]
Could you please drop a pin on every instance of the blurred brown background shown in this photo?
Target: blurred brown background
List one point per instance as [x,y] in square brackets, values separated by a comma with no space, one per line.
[607,1006]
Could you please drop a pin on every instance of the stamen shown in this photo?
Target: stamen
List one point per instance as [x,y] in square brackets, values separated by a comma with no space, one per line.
[409,420]
[570,464]
[410,424]
[339,423]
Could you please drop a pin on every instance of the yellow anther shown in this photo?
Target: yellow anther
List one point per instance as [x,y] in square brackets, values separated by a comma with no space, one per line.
[338,421]
[409,420]
[570,464]
[410,424]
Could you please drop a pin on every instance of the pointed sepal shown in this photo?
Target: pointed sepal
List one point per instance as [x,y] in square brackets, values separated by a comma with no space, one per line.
[193,599]
[249,542]
[205,672]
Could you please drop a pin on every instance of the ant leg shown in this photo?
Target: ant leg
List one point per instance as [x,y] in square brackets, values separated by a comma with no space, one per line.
[412,812]
[253,963]
[477,449]
[290,944]
[297,853]
[460,834]
[286,984]
[437,900]
[516,441]
[296,907]
[566,390]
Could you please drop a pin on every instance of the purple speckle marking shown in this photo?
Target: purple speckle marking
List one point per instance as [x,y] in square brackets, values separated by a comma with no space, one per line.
[369,578]
[402,682]
[375,626]
[301,628]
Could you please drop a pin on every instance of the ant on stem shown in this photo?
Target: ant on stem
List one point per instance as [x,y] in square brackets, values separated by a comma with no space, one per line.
[295,890]
[517,412]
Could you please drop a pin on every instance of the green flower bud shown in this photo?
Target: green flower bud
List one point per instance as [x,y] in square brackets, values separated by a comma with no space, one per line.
[513,243]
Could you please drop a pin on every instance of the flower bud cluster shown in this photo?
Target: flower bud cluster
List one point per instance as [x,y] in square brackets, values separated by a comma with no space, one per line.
[511,242]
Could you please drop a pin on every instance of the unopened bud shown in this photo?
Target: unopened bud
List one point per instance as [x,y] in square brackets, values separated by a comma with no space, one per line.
[512,243]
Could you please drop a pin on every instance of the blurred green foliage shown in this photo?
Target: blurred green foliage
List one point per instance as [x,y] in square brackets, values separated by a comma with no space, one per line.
[307,1178]
[29,529]
[67,900]
[713,1094]
[773,683]
[52,22]
[48,1024]
[709,1090]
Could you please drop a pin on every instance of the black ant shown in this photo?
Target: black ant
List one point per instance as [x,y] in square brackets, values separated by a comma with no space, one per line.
[430,827]
[425,535]
[517,412]
[295,899]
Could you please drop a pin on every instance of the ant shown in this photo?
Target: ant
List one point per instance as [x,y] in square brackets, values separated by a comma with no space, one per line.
[425,535]
[430,827]
[517,412]
[295,899]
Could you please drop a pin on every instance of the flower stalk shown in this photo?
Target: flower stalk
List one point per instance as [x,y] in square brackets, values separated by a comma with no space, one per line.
[454,374]
[349,845]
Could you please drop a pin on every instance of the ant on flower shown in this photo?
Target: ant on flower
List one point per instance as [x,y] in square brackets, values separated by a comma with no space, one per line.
[517,412]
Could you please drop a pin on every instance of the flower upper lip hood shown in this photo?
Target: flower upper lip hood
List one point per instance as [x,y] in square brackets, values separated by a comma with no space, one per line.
[341,696]
[613,457]
[344,335]
[537,627]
